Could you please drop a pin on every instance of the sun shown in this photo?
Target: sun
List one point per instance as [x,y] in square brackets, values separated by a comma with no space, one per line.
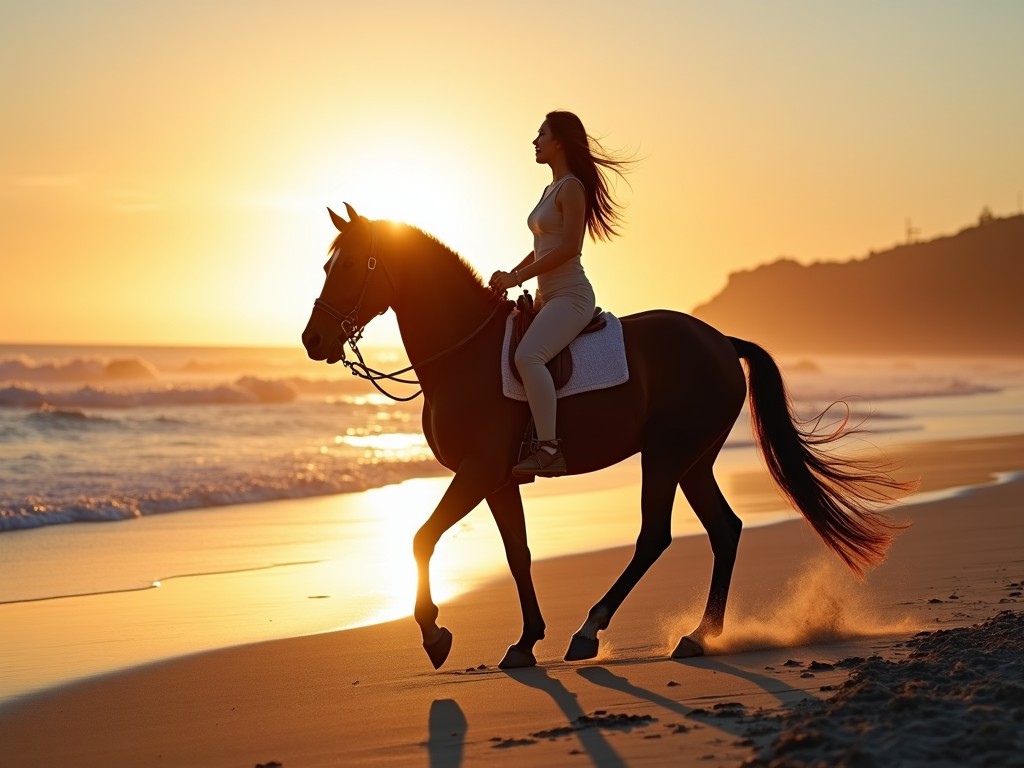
[412,178]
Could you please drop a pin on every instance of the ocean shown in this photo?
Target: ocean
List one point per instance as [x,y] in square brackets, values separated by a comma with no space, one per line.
[111,433]
[106,433]
[156,501]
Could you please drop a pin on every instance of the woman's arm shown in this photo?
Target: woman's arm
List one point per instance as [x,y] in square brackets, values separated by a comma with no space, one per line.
[526,261]
[573,204]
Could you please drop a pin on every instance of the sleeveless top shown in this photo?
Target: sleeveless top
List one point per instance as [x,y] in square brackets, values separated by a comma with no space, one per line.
[547,225]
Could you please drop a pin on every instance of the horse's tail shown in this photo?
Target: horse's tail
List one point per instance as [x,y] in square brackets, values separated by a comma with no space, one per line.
[836,495]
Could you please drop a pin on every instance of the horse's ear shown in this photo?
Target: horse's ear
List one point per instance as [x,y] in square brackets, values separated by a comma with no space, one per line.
[352,215]
[339,223]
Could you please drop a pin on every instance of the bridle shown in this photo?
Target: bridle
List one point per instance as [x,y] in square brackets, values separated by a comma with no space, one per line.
[348,322]
[354,331]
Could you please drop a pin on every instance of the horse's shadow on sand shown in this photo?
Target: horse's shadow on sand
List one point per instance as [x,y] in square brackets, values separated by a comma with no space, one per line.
[726,719]
[448,724]
[591,739]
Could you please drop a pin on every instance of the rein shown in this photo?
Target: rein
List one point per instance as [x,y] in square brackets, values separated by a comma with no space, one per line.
[372,375]
[355,333]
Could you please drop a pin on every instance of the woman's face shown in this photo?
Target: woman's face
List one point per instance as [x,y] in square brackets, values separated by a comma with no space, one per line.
[546,146]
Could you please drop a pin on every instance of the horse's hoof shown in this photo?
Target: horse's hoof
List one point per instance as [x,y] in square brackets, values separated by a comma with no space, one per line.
[517,658]
[687,649]
[581,648]
[439,648]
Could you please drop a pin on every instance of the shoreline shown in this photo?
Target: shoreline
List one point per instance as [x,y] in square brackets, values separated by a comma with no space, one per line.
[368,695]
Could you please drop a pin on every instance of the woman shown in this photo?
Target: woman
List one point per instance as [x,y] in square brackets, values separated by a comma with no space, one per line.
[576,201]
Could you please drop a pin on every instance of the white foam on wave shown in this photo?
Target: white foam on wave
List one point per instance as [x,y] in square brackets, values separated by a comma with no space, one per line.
[216,490]
[247,389]
[927,497]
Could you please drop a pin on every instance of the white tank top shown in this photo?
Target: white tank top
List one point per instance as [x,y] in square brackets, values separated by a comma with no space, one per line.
[547,224]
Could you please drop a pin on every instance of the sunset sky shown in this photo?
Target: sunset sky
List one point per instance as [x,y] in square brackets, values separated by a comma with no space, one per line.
[165,166]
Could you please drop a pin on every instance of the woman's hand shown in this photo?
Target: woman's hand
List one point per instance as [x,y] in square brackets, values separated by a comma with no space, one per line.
[500,281]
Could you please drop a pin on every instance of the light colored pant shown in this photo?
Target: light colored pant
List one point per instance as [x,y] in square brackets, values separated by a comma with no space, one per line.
[559,321]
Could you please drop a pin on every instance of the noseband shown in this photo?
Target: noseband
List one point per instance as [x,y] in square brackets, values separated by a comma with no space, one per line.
[354,332]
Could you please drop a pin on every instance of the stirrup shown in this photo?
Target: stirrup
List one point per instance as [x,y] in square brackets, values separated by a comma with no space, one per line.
[542,463]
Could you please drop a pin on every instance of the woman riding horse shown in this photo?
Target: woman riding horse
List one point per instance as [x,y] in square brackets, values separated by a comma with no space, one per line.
[685,391]
[577,200]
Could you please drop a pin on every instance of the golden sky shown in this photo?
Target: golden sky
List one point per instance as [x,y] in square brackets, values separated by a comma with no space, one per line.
[165,166]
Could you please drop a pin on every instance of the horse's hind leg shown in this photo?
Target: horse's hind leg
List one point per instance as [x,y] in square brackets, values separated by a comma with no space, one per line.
[658,488]
[507,508]
[723,527]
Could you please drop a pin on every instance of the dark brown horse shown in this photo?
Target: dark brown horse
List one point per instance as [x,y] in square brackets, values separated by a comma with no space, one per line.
[685,391]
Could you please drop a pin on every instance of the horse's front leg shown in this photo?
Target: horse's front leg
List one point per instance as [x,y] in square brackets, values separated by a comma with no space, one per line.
[507,508]
[471,483]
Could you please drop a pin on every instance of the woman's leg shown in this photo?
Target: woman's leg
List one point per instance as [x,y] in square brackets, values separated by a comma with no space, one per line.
[559,321]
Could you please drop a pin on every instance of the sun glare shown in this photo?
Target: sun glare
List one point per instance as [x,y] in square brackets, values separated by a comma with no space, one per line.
[408,177]
[386,570]
[391,446]
[436,176]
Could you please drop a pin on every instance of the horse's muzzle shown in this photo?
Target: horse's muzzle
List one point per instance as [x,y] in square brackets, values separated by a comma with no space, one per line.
[313,342]
[320,349]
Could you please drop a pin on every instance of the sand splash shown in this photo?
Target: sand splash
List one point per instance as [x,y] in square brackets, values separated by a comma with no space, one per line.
[823,603]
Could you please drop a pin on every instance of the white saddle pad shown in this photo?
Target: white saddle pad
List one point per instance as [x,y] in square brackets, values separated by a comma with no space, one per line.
[598,361]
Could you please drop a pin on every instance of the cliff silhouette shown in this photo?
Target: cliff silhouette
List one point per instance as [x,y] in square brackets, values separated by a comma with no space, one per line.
[954,295]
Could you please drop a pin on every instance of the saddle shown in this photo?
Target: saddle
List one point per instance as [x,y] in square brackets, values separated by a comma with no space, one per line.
[560,365]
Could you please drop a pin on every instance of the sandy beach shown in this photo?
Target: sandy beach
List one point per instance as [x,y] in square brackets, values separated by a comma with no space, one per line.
[814,666]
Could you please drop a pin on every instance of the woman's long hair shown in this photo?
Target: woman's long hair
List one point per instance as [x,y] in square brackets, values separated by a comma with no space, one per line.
[587,158]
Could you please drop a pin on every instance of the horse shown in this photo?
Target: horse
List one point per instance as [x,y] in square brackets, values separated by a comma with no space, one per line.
[686,389]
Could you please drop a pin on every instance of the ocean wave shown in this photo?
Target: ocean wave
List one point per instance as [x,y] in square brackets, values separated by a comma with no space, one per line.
[282,365]
[66,417]
[246,390]
[22,368]
[837,378]
[222,491]
[853,390]
[810,381]
[252,390]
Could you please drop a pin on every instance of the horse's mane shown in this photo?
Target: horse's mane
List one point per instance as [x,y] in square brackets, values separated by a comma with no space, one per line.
[424,246]
[433,249]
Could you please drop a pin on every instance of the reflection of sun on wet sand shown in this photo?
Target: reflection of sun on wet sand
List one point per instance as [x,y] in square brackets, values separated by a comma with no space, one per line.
[813,665]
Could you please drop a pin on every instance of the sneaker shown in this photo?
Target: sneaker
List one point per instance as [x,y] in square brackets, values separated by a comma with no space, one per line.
[542,463]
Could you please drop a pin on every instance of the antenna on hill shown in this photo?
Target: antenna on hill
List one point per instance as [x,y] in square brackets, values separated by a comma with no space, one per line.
[912,232]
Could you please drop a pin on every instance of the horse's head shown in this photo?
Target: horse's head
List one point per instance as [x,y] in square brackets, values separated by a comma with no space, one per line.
[356,289]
